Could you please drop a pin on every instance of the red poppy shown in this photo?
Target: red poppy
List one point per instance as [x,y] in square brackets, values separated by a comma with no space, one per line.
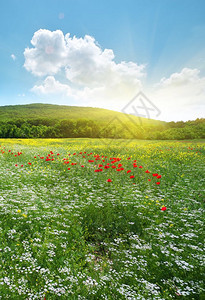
[29,163]
[128,171]
[157,183]
[21,165]
[159,176]
[132,176]
[82,166]
[68,168]
[163,208]
[109,180]
[155,174]
[140,167]
[149,179]
[147,171]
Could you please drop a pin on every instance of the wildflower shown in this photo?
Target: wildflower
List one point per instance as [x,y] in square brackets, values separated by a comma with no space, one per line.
[109,180]
[163,208]
[155,175]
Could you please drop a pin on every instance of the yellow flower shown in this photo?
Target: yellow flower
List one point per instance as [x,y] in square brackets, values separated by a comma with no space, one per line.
[19,210]
[24,215]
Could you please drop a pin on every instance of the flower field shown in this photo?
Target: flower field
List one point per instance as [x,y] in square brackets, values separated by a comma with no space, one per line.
[82,220]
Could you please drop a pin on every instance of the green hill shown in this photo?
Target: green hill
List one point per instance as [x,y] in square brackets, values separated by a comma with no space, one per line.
[54,121]
[62,112]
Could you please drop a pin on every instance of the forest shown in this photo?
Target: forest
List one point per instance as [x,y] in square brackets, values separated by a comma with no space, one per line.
[85,128]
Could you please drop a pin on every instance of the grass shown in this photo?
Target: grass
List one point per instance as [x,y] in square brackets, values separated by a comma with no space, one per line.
[71,234]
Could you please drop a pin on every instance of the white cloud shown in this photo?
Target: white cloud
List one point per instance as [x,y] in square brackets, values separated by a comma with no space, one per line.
[52,86]
[48,54]
[181,95]
[13,56]
[84,64]
[92,77]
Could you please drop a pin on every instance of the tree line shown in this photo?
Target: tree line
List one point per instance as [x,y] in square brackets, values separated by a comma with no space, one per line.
[83,128]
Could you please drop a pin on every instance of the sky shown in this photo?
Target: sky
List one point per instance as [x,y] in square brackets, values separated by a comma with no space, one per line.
[103,53]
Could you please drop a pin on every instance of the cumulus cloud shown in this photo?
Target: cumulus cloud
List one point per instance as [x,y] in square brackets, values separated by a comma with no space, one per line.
[48,54]
[84,64]
[52,86]
[92,77]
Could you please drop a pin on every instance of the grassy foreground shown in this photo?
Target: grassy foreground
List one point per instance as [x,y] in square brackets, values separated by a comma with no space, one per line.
[93,219]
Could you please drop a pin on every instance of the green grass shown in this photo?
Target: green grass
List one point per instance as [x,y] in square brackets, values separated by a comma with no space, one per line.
[70,234]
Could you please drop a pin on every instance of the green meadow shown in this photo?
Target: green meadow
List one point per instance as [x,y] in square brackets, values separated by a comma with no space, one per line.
[101,219]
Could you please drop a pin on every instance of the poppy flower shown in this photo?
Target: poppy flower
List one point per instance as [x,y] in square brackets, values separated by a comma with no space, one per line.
[159,176]
[163,208]
[157,183]
[128,171]
[109,180]
[82,166]
[29,163]
[140,167]
[21,165]
[149,179]
[68,168]
[132,176]
[147,171]
[155,174]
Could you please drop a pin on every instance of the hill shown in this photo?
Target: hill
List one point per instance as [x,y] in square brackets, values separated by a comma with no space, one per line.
[62,112]
[53,121]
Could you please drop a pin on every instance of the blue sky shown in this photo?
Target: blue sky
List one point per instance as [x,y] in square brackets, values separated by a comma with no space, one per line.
[163,39]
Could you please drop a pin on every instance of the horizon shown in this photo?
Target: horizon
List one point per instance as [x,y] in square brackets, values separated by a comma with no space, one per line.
[74,54]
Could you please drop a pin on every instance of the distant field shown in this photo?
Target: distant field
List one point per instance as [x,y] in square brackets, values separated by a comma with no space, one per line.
[101,219]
